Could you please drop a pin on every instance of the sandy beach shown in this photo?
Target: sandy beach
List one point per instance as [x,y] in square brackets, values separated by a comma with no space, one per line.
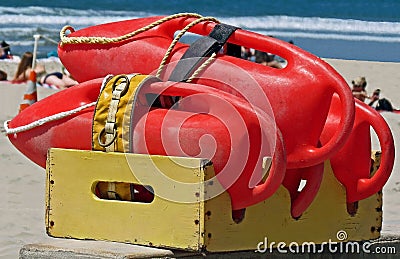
[22,183]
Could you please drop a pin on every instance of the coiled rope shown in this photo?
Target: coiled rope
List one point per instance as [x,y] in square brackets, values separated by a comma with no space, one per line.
[64,39]
[105,40]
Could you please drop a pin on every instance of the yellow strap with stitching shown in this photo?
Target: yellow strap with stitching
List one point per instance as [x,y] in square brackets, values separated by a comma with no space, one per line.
[110,130]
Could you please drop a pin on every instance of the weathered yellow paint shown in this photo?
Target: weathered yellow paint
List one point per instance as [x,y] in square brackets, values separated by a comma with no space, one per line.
[74,211]
[272,220]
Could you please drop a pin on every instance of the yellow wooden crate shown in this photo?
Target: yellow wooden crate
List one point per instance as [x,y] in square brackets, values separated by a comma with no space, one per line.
[74,211]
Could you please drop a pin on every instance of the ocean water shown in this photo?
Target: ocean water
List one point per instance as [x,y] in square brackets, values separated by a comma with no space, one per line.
[345,29]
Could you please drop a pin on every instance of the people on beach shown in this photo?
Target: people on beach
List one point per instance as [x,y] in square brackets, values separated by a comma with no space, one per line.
[247,53]
[266,59]
[374,98]
[359,91]
[380,104]
[58,79]
[5,51]
[25,67]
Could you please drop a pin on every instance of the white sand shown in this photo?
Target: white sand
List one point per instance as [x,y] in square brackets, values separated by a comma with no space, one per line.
[22,183]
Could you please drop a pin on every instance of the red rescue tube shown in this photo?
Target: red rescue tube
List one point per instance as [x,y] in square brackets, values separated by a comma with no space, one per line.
[300,120]
[351,165]
[239,151]
[74,131]
[154,133]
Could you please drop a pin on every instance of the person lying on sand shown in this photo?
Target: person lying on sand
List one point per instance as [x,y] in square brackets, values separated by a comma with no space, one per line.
[57,78]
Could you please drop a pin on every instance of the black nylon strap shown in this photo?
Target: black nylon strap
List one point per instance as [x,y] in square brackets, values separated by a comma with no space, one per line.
[203,47]
[222,32]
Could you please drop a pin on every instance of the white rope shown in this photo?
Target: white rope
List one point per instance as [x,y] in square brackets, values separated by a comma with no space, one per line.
[45,120]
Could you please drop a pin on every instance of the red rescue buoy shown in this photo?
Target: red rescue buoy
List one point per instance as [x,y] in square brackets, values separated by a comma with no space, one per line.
[243,177]
[233,135]
[299,94]
[352,164]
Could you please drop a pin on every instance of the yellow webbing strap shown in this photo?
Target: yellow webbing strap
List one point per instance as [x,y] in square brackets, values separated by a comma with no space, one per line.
[111,129]
[112,113]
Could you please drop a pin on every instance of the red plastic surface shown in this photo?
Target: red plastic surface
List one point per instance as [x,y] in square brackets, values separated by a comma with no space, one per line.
[351,165]
[301,200]
[299,94]
[75,132]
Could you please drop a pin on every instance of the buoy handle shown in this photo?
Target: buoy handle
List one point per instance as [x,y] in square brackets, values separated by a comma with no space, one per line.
[367,187]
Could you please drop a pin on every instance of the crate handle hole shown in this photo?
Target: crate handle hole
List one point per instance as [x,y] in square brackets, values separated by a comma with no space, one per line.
[123,191]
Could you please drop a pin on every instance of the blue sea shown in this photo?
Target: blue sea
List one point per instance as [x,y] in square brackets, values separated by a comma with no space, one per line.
[345,29]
